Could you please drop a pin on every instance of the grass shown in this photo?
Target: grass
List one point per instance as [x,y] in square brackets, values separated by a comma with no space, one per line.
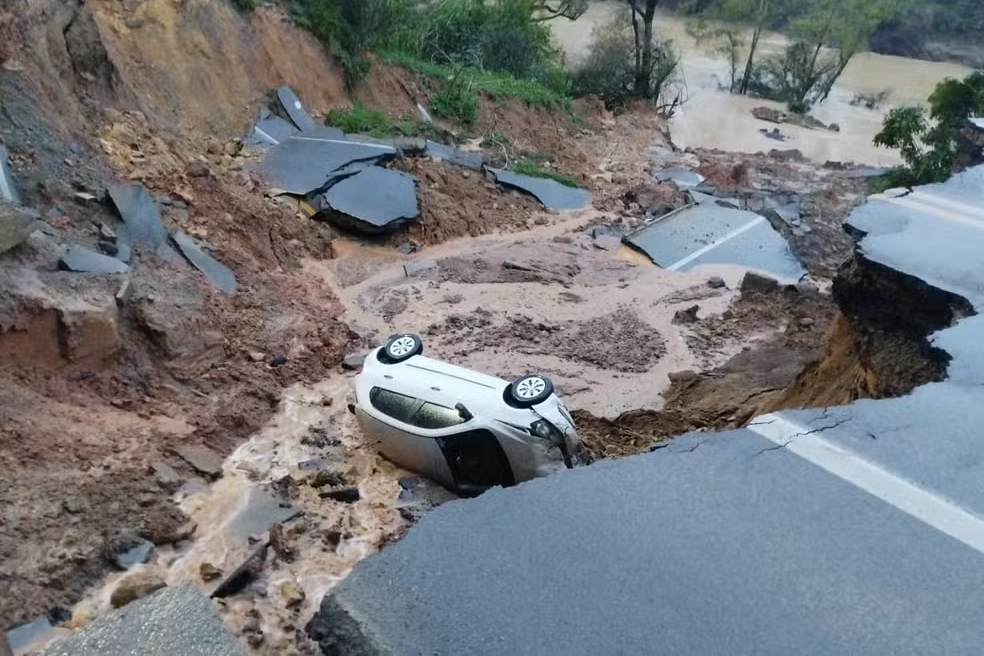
[532,169]
[377,123]
[495,85]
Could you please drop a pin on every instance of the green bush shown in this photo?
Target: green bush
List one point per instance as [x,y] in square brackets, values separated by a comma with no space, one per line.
[246,5]
[376,123]
[456,100]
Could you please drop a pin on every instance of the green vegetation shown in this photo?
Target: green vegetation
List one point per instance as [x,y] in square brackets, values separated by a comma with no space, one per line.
[246,5]
[376,123]
[531,168]
[930,145]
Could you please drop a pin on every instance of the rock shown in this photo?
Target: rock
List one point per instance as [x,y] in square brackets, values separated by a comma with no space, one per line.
[138,554]
[167,478]
[769,114]
[180,534]
[278,361]
[353,361]
[292,594]
[233,148]
[136,586]
[516,266]
[15,227]
[203,459]
[682,376]
[716,282]
[197,170]
[209,572]
[687,316]
[280,544]
[806,322]
[344,495]
[72,505]
[84,198]
[753,282]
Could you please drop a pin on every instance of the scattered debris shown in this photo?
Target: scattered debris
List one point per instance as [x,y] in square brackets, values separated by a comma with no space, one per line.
[167,478]
[82,260]
[141,219]
[243,575]
[411,269]
[374,198]
[551,193]
[218,274]
[758,284]
[16,226]
[8,191]
[280,544]
[292,593]
[261,510]
[176,620]
[136,555]
[136,586]
[716,282]
[203,459]
[774,133]
[802,120]
[278,361]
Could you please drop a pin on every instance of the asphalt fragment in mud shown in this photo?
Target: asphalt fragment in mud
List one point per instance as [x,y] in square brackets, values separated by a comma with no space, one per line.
[142,222]
[217,273]
[451,155]
[302,165]
[16,226]
[295,109]
[376,197]
[82,260]
[271,131]
[551,193]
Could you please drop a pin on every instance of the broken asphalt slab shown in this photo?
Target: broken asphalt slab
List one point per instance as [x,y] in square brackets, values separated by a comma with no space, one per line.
[178,620]
[142,222]
[464,158]
[375,197]
[8,190]
[271,131]
[711,234]
[295,110]
[301,165]
[217,273]
[681,177]
[16,225]
[201,458]
[880,498]
[551,193]
[82,260]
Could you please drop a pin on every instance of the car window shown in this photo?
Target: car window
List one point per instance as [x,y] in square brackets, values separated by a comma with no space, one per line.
[434,417]
[397,406]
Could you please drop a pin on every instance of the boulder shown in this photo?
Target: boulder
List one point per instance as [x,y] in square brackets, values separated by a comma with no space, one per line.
[136,586]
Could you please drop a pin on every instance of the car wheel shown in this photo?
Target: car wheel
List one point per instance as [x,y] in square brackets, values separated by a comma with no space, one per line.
[530,390]
[403,347]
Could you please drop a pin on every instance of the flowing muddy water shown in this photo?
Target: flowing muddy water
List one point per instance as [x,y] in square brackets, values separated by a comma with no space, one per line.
[712,118]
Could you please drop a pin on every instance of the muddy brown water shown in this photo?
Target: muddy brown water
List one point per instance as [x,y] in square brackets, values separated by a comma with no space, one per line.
[712,118]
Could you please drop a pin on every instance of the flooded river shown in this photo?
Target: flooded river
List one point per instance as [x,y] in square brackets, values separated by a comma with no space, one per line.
[717,119]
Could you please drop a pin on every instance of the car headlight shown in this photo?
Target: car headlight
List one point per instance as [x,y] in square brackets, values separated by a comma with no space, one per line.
[546,430]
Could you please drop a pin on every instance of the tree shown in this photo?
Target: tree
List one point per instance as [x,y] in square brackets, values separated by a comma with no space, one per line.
[644,10]
[546,10]
[929,145]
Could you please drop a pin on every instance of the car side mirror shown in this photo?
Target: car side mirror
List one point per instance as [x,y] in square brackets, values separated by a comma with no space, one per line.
[463,411]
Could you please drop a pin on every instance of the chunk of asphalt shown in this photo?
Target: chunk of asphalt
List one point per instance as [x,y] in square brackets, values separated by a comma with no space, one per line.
[464,158]
[82,260]
[377,197]
[135,555]
[551,193]
[24,635]
[16,226]
[202,459]
[178,620]
[681,177]
[301,164]
[8,191]
[343,495]
[270,131]
[217,273]
[261,510]
[141,218]
[295,109]
[118,250]
[243,575]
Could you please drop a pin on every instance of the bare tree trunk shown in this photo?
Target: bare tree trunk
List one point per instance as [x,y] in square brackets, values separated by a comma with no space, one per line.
[638,42]
[647,55]
[747,76]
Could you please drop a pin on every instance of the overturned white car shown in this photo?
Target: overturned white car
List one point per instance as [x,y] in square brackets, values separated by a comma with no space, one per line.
[466,430]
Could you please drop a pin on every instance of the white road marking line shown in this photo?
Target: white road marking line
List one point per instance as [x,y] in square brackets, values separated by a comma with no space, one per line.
[934,210]
[948,204]
[710,247]
[342,141]
[275,142]
[924,505]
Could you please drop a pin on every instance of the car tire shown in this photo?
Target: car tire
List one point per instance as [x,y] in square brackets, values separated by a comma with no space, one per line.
[403,347]
[530,390]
